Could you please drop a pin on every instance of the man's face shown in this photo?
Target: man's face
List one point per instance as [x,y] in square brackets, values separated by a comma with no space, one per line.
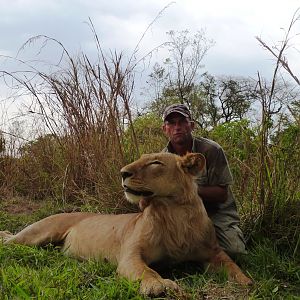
[178,128]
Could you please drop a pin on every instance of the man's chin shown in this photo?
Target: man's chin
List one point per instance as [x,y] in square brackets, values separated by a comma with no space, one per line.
[180,139]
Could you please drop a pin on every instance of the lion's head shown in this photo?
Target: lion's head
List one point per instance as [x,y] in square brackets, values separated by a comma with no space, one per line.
[161,175]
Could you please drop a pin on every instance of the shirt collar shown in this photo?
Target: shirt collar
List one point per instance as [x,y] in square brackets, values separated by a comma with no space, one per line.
[171,149]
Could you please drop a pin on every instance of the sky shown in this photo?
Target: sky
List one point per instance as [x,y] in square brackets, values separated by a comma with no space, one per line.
[232,24]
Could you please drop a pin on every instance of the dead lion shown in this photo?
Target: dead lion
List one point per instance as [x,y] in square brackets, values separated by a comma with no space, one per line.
[174,225]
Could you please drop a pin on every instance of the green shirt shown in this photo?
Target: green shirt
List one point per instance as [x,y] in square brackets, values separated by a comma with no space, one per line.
[216,172]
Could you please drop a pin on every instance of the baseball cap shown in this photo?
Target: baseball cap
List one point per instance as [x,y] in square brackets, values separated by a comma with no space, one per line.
[177,108]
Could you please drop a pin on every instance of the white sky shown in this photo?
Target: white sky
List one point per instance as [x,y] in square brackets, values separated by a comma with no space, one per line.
[232,24]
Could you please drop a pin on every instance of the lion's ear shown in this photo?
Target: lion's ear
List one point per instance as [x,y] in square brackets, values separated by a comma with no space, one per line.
[193,163]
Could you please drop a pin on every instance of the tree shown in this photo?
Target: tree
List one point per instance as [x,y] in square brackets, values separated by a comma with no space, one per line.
[177,79]
[184,63]
[2,143]
[222,100]
[235,98]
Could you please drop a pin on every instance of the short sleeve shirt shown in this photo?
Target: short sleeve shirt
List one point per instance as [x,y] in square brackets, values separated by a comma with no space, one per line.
[216,172]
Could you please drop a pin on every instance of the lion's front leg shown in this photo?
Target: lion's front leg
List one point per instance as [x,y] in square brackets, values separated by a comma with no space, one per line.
[222,260]
[134,268]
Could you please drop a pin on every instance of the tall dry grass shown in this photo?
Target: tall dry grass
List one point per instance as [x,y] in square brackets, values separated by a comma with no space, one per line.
[86,107]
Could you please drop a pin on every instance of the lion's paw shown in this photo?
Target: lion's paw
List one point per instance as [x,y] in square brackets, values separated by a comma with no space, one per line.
[155,287]
[5,235]
[243,280]
[171,285]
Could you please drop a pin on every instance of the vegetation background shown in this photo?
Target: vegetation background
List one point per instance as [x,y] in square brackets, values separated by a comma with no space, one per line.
[86,127]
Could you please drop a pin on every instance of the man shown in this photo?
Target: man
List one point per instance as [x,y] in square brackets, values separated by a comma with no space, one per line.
[214,183]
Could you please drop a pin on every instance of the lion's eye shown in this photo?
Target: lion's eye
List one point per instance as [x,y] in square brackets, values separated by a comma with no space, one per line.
[155,162]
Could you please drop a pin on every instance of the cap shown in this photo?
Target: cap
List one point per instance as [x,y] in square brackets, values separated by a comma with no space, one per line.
[177,108]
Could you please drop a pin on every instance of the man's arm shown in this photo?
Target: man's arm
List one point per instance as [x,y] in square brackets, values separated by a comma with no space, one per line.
[215,194]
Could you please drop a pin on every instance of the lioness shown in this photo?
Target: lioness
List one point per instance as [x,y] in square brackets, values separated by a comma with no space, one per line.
[173,225]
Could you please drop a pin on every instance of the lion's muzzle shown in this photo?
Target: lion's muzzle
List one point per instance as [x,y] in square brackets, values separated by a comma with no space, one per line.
[137,193]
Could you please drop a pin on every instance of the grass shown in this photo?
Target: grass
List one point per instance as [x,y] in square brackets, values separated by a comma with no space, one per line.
[31,273]
[45,273]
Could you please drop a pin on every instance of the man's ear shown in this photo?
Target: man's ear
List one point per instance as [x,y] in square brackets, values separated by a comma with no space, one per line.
[192,125]
[163,127]
[193,163]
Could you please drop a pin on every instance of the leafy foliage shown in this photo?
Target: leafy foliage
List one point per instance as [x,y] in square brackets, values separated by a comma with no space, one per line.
[148,133]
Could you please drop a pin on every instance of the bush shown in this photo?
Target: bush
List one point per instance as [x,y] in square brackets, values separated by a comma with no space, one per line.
[149,136]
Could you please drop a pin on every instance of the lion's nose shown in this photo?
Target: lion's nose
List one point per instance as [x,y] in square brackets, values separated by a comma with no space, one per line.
[125,174]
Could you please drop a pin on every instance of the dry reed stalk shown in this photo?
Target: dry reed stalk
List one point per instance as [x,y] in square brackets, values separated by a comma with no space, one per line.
[86,108]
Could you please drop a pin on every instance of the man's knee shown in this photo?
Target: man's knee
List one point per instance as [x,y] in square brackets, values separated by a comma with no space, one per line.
[231,240]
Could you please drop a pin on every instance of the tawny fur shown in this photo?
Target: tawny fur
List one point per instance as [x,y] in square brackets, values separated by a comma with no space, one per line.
[172,226]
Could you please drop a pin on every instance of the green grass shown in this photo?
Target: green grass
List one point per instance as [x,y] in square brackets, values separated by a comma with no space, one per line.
[45,273]
[31,273]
